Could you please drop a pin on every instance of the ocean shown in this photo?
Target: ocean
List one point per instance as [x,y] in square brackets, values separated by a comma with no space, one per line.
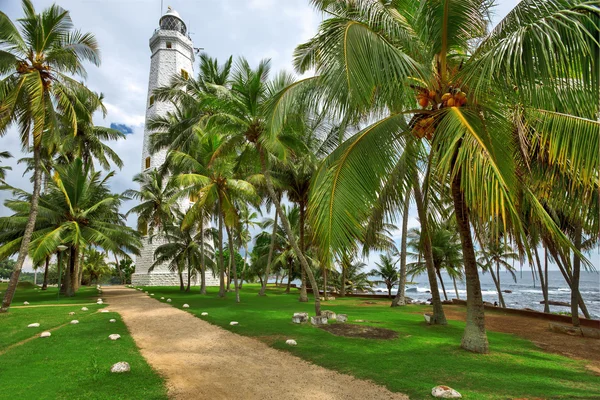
[525,294]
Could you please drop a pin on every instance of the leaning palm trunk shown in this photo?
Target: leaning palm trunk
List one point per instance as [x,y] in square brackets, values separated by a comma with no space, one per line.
[244,267]
[496,280]
[189,277]
[303,293]
[562,262]
[438,317]
[455,288]
[23,249]
[542,280]
[400,300]
[474,338]
[45,284]
[181,284]
[437,270]
[263,287]
[288,231]
[575,279]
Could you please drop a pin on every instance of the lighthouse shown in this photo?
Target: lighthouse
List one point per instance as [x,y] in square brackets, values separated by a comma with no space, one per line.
[172,54]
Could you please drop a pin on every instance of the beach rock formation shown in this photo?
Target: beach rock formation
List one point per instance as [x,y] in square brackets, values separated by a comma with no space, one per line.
[120,367]
[445,392]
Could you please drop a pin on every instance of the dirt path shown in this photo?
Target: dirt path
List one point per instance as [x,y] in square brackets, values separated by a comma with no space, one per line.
[203,361]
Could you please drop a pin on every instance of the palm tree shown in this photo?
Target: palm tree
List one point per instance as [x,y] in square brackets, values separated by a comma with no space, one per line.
[247,221]
[181,251]
[4,154]
[34,85]
[157,195]
[493,255]
[208,177]
[386,269]
[88,144]
[352,278]
[400,300]
[436,65]
[95,265]
[78,211]
[245,112]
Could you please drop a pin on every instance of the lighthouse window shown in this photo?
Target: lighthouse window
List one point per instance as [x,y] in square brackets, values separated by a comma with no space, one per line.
[169,45]
[147,162]
[151,101]
[184,74]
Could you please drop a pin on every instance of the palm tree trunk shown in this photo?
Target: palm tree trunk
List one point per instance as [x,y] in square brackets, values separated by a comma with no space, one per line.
[474,338]
[189,276]
[303,293]
[343,285]
[562,266]
[229,263]
[245,263]
[546,275]
[72,273]
[575,277]
[263,287]
[542,281]
[233,265]
[202,260]
[289,282]
[24,248]
[438,317]
[221,261]
[181,284]
[325,283]
[400,300]
[497,284]
[455,288]
[288,231]
[437,271]
[45,284]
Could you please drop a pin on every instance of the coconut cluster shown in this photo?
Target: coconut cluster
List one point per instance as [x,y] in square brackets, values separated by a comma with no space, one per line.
[424,125]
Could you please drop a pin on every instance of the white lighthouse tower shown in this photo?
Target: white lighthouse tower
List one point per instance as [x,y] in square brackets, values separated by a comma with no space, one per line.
[172,54]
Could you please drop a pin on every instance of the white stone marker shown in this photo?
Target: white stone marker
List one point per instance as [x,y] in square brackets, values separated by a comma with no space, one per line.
[84,308]
[291,342]
[71,313]
[74,322]
[162,298]
[204,314]
[186,306]
[104,311]
[26,303]
[120,367]
[114,336]
[233,323]
[168,300]
[36,325]
[112,320]
[45,334]
[445,392]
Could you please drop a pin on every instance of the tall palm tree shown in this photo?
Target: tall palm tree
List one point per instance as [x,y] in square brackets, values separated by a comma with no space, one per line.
[208,176]
[157,195]
[78,211]
[95,265]
[246,115]
[352,278]
[437,65]
[88,144]
[36,62]
[495,254]
[247,221]
[386,269]
[400,300]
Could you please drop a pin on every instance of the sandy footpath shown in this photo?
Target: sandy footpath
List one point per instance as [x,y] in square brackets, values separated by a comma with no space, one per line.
[203,361]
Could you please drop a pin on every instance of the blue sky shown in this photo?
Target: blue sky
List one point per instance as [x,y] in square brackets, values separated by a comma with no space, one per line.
[254,28]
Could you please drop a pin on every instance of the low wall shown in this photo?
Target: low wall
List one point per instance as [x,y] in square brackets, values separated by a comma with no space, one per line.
[592,323]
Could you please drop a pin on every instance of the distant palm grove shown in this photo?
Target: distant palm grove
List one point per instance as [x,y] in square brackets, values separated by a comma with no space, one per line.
[491,133]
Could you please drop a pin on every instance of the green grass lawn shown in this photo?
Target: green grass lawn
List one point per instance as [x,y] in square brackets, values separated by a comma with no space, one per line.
[74,363]
[420,358]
